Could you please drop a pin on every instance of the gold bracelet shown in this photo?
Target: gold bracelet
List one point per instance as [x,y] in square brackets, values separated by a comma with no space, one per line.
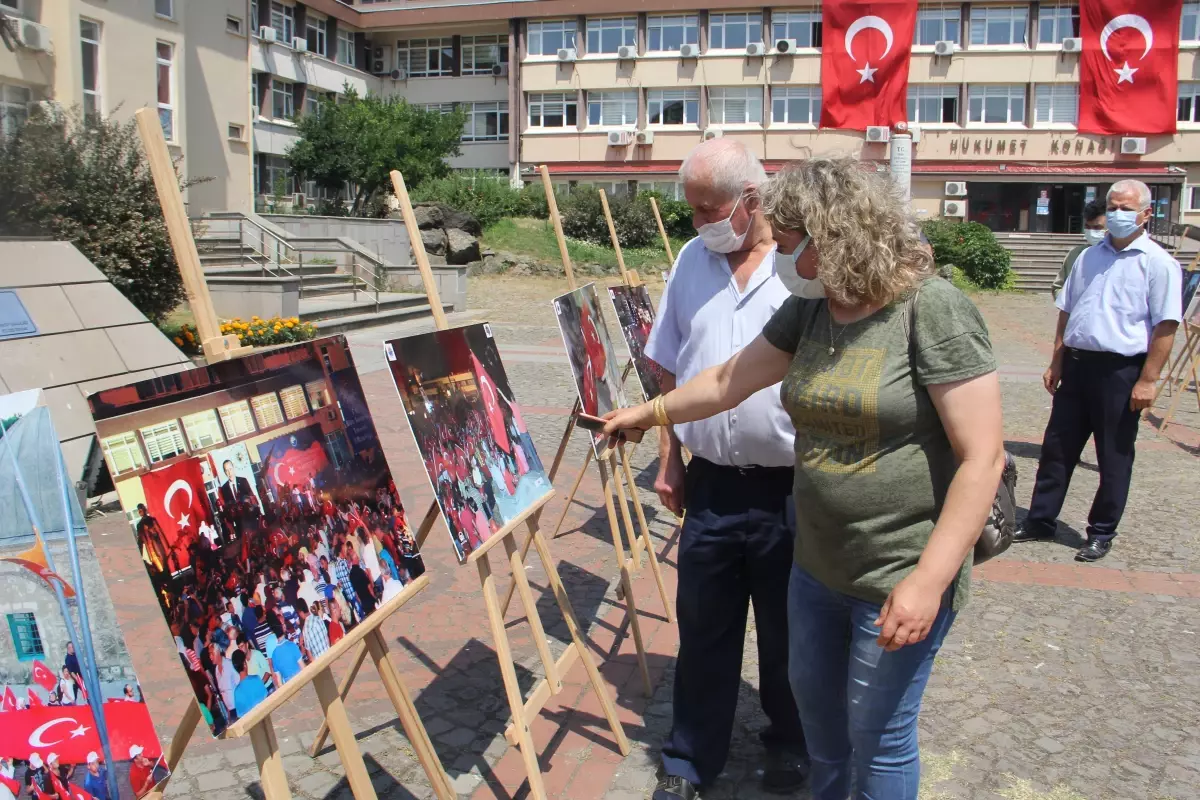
[660,411]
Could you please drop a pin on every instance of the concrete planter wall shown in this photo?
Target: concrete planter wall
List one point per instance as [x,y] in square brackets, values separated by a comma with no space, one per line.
[451,282]
[246,297]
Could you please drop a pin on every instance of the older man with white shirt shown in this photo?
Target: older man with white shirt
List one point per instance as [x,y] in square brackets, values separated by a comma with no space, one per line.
[736,544]
[1118,313]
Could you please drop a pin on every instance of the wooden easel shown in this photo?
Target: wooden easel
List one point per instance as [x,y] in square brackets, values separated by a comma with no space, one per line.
[662,231]
[1186,364]
[523,711]
[257,724]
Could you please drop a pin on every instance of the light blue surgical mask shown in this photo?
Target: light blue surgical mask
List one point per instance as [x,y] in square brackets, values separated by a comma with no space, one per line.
[1122,224]
[794,282]
[1094,235]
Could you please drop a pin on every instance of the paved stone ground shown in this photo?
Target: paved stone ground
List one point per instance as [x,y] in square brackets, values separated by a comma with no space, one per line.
[1060,681]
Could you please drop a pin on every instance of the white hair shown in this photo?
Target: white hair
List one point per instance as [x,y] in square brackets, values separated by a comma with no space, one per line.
[1130,185]
[723,165]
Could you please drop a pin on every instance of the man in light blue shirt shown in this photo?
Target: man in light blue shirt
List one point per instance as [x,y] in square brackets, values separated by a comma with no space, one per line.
[1118,312]
[737,537]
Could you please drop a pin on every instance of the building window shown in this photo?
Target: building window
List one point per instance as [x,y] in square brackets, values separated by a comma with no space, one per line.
[267,412]
[317,30]
[318,396]
[1056,104]
[1192,198]
[203,429]
[796,105]
[236,132]
[1056,23]
[14,108]
[481,53]
[233,25]
[123,453]
[426,58]
[545,37]
[27,639]
[993,26]
[313,99]
[486,122]
[669,32]
[164,61]
[739,105]
[803,26]
[1189,31]
[283,99]
[612,108]
[277,173]
[439,108]
[345,48]
[932,103]
[295,405]
[734,31]
[553,110]
[937,25]
[671,190]
[673,106]
[236,419]
[997,105]
[164,8]
[283,20]
[11,5]
[1189,101]
[89,40]
[607,35]
[163,441]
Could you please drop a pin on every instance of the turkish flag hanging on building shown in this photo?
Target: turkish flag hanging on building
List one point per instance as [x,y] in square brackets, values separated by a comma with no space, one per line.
[1129,69]
[866,45]
[176,500]
[491,404]
[70,731]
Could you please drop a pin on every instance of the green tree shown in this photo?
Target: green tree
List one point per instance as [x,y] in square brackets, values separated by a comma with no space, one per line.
[359,140]
[88,183]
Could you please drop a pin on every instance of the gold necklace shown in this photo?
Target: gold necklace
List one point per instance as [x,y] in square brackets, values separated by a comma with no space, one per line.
[833,340]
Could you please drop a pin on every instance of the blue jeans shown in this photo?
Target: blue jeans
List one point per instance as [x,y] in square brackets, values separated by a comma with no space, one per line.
[858,703]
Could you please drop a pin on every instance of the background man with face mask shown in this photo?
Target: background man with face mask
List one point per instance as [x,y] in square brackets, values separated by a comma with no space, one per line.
[1094,231]
[736,543]
[1118,312]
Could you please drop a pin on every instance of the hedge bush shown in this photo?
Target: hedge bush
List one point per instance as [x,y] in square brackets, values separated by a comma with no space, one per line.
[583,218]
[486,197]
[973,248]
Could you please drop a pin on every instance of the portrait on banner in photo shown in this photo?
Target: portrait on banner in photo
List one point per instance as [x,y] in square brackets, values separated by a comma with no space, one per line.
[592,355]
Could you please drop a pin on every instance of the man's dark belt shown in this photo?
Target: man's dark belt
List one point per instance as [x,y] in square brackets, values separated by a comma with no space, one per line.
[751,471]
[1102,355]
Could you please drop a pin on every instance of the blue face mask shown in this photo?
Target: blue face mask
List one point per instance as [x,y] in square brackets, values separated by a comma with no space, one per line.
[1122,224]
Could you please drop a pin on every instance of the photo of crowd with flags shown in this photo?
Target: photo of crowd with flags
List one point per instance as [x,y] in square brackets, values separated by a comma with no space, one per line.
[635,314]
[469,429]
[73,722]
[269,522]
[590,350]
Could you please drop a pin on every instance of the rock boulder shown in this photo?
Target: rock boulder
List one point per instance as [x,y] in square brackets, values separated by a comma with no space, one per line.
[462,247]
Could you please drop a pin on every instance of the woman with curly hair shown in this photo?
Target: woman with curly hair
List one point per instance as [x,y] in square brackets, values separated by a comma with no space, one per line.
[889,378]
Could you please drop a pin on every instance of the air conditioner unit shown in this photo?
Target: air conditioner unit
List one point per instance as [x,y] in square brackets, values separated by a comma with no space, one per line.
[756,49]
[1072,45]
[954,208]
[378,68]
[879,133]
[956,189]
[1133,146]
[619,138]
[712,133]
[626,52]
[689,51]
[644,137]
[33,36]
[300,45]
[267,33]
[378,53]
[566,54]
[399,75]
[785,46]
[943,48]
[499,70]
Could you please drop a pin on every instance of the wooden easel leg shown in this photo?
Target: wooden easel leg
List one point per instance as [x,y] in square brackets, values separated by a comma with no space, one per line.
[1181,390]
[427,524]
[1168,382]
[646,540]
[509,673]
[343,736]
[571,495]
[414,729]
[521,581]
[631,612]
[270,765]
[343,690]
[631,538]
[179,742]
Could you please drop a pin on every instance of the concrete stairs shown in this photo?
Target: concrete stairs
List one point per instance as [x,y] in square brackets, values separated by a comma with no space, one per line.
[338,313]
[1037,257]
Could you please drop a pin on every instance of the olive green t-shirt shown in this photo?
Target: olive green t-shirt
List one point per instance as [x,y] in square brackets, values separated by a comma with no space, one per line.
[872,459]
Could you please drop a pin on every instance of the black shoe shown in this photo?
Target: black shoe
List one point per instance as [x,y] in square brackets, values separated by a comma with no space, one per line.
[785,771]
[1024,533]
[672,787]
[1094,550]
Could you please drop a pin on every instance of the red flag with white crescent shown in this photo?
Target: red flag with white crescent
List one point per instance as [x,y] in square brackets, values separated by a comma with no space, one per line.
[175,497]
[1129,69]
[8,702]
[864,62]
[70,731]
[11,784]
[34,700]
[43,677]
[491,403]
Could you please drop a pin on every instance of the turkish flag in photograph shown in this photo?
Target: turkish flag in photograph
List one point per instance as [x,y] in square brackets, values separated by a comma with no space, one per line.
[43,677]
[175,498]
[34,700]
[864,62]
[1129,69]
[491,403]
[8,701]
[70,731]
[294,458]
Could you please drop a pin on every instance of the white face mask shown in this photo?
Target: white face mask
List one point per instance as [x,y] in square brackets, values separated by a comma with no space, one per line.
[793,281]
[720,236]
[1094,236]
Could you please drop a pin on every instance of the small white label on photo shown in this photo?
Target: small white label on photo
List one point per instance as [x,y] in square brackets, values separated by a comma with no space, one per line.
[391,354]
[487,330]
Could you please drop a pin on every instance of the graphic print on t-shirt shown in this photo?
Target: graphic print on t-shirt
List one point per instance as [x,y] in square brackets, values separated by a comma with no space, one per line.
[834,403]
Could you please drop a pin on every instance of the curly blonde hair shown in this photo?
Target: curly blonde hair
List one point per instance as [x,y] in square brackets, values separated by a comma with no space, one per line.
[869,248]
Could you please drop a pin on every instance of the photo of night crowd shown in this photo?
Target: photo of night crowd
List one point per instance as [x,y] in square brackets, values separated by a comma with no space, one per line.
[635,314]
[590,350]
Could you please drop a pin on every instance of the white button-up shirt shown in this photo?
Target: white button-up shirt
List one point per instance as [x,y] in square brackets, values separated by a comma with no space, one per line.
[1116,297]
[703,319]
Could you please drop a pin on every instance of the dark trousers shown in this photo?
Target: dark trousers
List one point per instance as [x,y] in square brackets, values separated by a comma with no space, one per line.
[1092,400]
[735,548]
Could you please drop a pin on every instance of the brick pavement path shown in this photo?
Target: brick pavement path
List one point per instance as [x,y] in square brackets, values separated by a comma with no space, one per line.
[1059,681]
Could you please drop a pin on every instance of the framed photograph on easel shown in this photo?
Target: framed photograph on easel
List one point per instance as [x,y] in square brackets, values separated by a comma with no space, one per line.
[592,355]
